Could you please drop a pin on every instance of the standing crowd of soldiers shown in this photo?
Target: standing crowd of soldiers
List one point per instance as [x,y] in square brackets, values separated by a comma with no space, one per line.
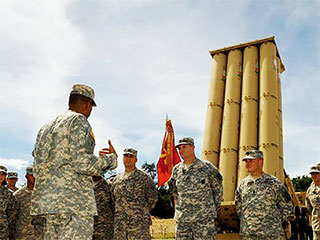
[66,196]
[126,200]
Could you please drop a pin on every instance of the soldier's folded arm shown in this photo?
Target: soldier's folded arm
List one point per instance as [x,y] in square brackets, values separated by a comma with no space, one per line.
[85,162]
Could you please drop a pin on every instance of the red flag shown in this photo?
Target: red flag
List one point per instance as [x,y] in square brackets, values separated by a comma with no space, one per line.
[169,155]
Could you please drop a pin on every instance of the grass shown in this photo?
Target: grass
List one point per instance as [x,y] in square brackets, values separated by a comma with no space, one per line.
[163,229]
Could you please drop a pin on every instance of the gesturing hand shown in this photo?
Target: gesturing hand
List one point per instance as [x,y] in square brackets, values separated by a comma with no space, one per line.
[108,150]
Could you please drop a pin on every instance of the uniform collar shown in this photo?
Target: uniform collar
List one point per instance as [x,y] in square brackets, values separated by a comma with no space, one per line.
[192,165]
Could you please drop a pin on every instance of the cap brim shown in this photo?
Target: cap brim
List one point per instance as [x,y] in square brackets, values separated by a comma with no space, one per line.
[246,158]
[183,143]
[93,103]
[314,171]
[125,153]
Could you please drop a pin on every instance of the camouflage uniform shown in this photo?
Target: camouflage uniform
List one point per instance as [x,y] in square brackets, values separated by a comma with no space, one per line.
[134,195]
[103,223]
[198,191]
[313,206]
[8,213]
[28,227]
[262,204]
[63,165]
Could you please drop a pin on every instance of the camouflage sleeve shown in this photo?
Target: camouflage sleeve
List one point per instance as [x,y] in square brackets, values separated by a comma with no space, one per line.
[85,162]
[112,192]
[12,213]
[112,202]
[238,202]
[284,202]
[39,136]
[172,184]
[39,223]
[151,193]
[18,209]
[40,141]
[216,185]
[308,203]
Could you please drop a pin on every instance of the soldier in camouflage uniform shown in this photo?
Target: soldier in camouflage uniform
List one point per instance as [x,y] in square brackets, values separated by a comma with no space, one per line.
[12,179]
[8,208]
[135,195]
[262,201]
[313,201]
[197,186]
[103,223]
[64,164]
[28,227]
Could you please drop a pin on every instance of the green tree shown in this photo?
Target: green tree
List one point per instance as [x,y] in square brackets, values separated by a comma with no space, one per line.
[150,168]
[301,184]
[164,207]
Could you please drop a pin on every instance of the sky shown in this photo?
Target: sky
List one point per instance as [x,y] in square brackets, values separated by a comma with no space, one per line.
[147,59]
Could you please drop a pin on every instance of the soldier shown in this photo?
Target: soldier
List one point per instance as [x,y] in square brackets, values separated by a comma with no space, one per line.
[64,164]
[313,201]
[12,180]
[103,223]
[197,186]
[135,195]
[28,227]
[262,201]
[8,208]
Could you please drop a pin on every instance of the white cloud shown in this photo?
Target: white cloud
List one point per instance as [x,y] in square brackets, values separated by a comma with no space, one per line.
[40,50]
[145,59]
[302,147]
[13,163]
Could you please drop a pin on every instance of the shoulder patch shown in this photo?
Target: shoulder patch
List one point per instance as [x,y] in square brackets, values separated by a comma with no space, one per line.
[285,193]
[216,173]
[92,135]
[219,176]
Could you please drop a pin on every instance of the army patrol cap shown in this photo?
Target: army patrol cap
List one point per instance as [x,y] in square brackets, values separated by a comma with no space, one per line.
[315,169]
[29,170]
[185,141]
[130,151]
[253,154]
[84,90]
[12,175]
[3,169]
